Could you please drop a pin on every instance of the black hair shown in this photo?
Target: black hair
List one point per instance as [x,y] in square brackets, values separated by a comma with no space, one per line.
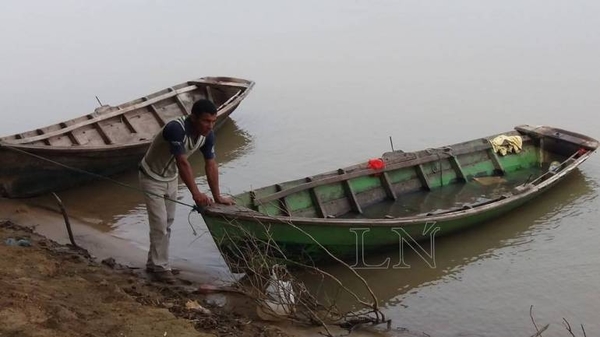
[203,106]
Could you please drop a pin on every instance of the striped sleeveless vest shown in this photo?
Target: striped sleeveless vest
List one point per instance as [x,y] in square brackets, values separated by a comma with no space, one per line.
[159,163]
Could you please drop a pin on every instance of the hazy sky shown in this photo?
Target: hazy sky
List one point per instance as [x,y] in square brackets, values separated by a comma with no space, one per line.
[58,55]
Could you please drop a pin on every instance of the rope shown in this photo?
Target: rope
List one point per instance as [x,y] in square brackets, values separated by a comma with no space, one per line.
[193,207]
[95,175]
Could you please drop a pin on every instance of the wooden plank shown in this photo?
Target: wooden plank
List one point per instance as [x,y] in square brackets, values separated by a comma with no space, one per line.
[155,113]
[387,186]
[218,83]
[103,134]
[41,132]
[282,202]
[71,136]
[107,140]
[316,201]
[422,176]
[496,161]
[182,105]
[350,194]
[231,99]
[367,171]
[458,168]
[559,134]
[106,116]
[128,124]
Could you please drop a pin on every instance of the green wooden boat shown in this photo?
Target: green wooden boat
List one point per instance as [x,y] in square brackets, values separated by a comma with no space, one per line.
[400,197]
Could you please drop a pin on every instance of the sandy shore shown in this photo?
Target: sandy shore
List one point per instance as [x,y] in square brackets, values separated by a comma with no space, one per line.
[54,289]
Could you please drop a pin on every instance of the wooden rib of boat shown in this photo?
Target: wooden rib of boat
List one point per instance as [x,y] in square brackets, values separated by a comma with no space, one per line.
[112,139]
[407,198]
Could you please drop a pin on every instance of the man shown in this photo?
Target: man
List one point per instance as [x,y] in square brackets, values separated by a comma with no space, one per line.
[165,160]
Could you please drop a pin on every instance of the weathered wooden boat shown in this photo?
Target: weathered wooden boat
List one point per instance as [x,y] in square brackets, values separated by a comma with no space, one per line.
[112,139]
[398,198]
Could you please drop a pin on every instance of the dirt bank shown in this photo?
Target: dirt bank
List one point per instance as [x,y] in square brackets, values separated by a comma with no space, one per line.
[50,289]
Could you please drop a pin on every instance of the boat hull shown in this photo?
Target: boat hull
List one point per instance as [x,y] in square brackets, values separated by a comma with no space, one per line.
[25,175]
[324,242]
[353,212]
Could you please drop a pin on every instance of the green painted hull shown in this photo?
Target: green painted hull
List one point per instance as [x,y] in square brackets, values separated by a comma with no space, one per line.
[418,196]
[306,242]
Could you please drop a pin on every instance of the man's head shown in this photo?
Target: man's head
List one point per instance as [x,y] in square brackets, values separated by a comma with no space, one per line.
[204,116]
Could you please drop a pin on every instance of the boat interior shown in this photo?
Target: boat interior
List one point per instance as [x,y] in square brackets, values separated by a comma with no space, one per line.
[134,122]
[422,183]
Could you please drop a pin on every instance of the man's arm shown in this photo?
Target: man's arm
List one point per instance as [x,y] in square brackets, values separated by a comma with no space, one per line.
[187,175]
[212,175]
[174,133]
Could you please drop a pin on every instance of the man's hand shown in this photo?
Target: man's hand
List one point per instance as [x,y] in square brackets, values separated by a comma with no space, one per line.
[202,199]
[225,200]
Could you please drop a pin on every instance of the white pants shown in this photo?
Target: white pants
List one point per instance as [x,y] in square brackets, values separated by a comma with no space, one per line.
[161,214]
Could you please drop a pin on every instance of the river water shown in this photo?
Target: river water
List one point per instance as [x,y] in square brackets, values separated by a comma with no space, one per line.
[335,80]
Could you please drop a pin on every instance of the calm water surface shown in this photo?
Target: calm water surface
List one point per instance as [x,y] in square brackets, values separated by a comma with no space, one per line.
[335,80]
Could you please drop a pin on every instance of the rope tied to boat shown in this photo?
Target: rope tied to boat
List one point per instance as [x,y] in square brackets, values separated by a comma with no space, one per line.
[194,208]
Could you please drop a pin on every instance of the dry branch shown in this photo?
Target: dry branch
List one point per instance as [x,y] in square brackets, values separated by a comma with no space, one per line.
[279,293]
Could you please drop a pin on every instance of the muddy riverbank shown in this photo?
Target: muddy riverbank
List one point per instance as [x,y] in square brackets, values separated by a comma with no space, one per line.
[51,289]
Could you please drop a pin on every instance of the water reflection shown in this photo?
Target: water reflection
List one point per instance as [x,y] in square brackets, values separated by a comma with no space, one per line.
[103,203]
[455,252]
